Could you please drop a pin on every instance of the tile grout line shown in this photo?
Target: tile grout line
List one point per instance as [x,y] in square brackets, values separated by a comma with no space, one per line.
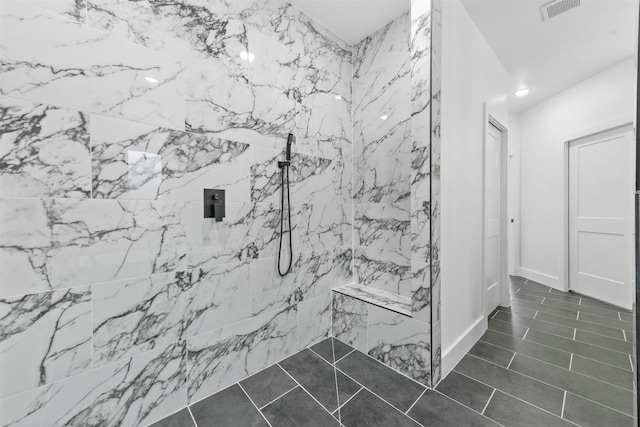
[511,361]
[344,356]
[192,417]
[575,331]
[554,386]
[254,404]
[631,363]
[571,363]
[534,316]
[525,334]
[273,400]
[307,391]
[580,301]
[564,401]
[349,399]
[335,377]
[465,406]
[624,334]
[542,302]
[515,397]
[313,351]
[379,397]
[488,401]
[619,317]
[416,401]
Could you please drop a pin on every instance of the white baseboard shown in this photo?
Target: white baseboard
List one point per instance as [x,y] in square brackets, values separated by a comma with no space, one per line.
[456,352]
[542,278]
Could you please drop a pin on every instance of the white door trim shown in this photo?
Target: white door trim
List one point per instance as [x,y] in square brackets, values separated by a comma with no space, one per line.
[505,297]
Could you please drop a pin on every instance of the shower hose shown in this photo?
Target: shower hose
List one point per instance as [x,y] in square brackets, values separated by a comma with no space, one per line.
[285,170]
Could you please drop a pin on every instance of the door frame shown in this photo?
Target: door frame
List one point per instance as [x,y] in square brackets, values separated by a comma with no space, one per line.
[505,297]
[618,122]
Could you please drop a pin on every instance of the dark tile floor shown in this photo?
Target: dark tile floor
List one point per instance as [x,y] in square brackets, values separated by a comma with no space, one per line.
[552,359]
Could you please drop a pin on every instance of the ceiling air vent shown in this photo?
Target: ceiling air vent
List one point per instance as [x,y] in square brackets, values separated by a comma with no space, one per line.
[557,7]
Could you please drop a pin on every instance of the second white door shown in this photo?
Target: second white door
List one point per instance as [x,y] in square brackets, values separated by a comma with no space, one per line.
[492,223]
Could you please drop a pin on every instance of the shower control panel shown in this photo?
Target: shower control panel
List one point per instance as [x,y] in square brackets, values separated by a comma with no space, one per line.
[214,204]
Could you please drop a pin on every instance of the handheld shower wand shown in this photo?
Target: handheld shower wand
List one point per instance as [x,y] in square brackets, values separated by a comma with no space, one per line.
[284,165]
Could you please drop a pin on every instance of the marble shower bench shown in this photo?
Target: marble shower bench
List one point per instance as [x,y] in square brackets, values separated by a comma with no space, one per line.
[379,297]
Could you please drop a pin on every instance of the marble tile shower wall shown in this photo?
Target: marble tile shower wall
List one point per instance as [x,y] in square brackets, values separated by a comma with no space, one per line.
[119,303]
[382,158]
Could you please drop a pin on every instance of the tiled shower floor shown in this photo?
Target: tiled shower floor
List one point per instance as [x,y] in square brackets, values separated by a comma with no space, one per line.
[552,359]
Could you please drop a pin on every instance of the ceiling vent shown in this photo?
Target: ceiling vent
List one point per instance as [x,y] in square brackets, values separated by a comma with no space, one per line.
[557,7]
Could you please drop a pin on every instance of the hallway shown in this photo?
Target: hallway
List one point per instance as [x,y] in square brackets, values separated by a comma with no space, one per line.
[552,359]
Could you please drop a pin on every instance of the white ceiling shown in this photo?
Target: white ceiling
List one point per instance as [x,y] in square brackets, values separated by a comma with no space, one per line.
[353,20]
[549,57]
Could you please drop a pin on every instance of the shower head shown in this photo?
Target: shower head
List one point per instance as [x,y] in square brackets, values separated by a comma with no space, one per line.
[290,140]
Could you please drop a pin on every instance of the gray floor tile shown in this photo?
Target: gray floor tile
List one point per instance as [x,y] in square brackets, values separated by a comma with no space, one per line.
[465,390]
[613,323]
[297,409]
[367,410]
[317,377]
[539,325]
[512,412]
[228,408]
[268,384]
[558,297]
[599,304]
[325,349]
[492,353]
[581,325]
[179,419]
[606,342]
[587,350]
[393,387]
[507,328]
[589,414]
[543,308]
[521,311]
[627,317]
[582,308]
[601,371]
[435,409]
[587,387]
[525,297]
[513,383]
[540,352]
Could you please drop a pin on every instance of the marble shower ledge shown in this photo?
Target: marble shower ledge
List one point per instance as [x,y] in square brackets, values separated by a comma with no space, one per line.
[381,298]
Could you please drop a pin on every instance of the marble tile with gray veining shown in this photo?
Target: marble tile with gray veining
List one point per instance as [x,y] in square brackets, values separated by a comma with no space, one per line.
[134,392]
[421,291]
[56,243]
[220,358]
[312,274]
[249,231]
[349,321]
[44,151]
[138,315]
[383,268]
[382,180]
[400,342]
[137,161]
[70,65]
[70,9]
[319,226]
[420,232]
[383,226]
[314,319]
[379,297]
[44,337]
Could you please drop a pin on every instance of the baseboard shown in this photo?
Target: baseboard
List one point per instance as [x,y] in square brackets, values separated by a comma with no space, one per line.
[456,352]
[542,278]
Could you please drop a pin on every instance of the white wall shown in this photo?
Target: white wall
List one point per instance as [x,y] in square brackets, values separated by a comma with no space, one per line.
[471,76]
[589,106]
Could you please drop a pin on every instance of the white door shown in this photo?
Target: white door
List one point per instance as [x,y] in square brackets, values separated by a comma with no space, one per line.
[492,203]
[601,188]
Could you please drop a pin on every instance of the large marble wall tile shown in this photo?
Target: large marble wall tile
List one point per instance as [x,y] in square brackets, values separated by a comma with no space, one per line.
[400,342]
[349,321]
[383,226]
[382,180]
[57,243]
[312,274]
[136,161]
[383,269]
[421,291]
[314,320]
[71,9]
[249,231]
[223,357]
[70,65]
[131,393]
[44,338]
[420,232]
[421,156]
[320,226]
[44,151]
[134,316]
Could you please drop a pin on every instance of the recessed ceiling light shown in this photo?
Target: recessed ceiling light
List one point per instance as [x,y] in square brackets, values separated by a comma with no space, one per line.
[384,117]
[251,57]
[522,92]
[337,97]
[244,55]
[151,80]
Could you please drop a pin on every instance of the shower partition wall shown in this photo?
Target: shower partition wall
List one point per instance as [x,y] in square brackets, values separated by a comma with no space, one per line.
[120,303]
